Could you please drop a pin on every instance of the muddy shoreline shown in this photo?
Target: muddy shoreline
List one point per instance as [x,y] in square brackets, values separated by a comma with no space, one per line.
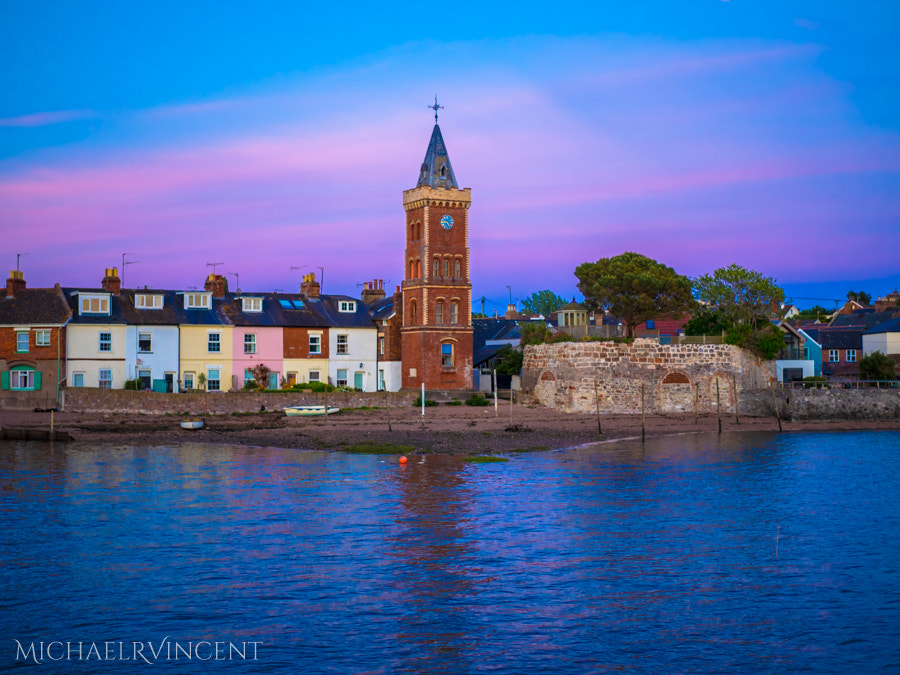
[445,429]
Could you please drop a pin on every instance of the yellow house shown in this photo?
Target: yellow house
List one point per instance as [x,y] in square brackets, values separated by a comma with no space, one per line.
[205,345]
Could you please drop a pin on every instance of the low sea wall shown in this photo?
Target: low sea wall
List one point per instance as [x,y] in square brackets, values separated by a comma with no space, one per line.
[87,400]
[823,404]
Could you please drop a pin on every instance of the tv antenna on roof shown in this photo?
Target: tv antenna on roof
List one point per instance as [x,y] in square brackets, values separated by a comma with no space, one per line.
[124,263]
[237,280]
[213,265]
[19,255]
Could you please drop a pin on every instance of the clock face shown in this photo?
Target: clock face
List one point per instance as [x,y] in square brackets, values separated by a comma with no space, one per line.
[447,222]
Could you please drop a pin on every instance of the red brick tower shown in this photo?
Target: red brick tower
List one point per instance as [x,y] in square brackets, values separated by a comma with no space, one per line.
[436,337]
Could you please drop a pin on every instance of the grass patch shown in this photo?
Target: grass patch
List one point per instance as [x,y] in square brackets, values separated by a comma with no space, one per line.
[453,402]
[485,459]
[375,448]
[534,448]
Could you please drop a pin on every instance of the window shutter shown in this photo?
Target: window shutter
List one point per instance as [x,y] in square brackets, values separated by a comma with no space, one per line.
[5,380]
[37,379]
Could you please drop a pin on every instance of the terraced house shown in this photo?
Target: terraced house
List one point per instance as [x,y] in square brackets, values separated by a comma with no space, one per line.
[32,343]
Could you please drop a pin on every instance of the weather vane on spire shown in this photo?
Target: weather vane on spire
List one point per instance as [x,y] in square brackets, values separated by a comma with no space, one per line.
[436,107]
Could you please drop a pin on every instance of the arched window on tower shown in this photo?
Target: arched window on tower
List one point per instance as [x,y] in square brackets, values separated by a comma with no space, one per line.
[412,269]
[436,267]
[454,313]
[457,268]
[413,313]
[439,313]
[446,355]
[418,269]
[447,267]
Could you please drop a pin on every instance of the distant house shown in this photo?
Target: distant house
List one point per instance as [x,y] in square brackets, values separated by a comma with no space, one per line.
[884,338]
[152,338]
[572,314]
[793,362]
[33,333]
[97,341]
[661,327]
[841,351]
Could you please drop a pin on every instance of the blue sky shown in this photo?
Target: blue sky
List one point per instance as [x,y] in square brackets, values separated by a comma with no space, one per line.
[699,133]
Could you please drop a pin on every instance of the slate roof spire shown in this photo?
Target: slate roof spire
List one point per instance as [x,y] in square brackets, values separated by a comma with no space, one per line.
[436,170]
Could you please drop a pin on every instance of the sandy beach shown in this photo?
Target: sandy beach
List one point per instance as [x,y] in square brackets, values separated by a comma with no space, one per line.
[444,429]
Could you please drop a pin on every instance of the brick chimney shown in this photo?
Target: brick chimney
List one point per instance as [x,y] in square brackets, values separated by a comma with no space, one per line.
[373,291]
[309,286]
[217,284]
[886,304]
[15,283]
[511,312]
[111,281]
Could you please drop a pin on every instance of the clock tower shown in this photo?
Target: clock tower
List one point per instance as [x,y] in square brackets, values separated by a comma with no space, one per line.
[436,337]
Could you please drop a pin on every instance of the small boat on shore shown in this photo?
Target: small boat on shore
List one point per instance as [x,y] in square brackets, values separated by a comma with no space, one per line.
[192,424]
[309,410]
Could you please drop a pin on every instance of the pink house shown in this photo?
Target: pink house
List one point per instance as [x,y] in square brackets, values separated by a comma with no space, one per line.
[257,339]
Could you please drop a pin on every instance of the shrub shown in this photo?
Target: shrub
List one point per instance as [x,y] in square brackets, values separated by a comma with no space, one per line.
[477,399]
[877,366]
[134,385]
[250,385]
[815,381]
[453,402]
[428,403]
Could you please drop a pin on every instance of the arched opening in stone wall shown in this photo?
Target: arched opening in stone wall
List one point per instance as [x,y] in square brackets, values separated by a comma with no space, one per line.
[545,388]
[708,393]
[676,395]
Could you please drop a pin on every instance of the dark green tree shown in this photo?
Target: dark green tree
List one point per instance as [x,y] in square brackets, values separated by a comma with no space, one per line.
[707,321]
[534,332]
[745,296]
[508,360]
[861,297]
[543,302]
[877,366]
[815,312]
[634,288]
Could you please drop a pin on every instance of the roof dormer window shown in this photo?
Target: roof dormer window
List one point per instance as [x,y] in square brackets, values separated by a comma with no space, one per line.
[252,304]
[197,300]
[348,306]
[94,304]
[148,301]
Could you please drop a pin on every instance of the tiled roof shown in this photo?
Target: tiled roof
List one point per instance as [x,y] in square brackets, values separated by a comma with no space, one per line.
[847,338]
[867,318]
[34,307]
[436,171]
[889,326]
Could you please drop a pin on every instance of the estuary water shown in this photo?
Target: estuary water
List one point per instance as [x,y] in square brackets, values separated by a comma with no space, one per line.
[733,553]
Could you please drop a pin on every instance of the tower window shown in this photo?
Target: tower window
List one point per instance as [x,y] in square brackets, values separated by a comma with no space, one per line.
[439,313]
[443,172]
[413,315]
[435,267]
[454,313]
[446,355]
[447,267]
[456,269]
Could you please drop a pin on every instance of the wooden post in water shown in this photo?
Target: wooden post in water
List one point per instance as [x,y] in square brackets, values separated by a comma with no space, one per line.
[775,403]
[496,409]
[387,406]
[510,403]
[51,420]
[696,403]
[642,413]
[718,406]
[597,402]
[734,393]
[422,401]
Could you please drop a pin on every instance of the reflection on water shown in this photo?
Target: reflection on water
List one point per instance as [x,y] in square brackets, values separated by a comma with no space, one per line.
[692,553]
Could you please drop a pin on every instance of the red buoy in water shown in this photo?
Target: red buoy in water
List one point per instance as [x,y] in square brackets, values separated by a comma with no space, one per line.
[402,459]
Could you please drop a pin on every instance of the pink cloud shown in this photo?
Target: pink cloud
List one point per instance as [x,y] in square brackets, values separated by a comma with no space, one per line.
[42,119]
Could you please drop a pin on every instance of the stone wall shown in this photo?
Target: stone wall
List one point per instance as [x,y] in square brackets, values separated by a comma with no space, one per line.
[572,376]
[218,403]
[823,404]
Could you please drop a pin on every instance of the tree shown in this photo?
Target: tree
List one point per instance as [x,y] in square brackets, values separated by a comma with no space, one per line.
[861,297]
[543,303]
[508,360]
[534,333]
[745,296]
[815,312]
[634,288]
[877,366]
[707,321]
